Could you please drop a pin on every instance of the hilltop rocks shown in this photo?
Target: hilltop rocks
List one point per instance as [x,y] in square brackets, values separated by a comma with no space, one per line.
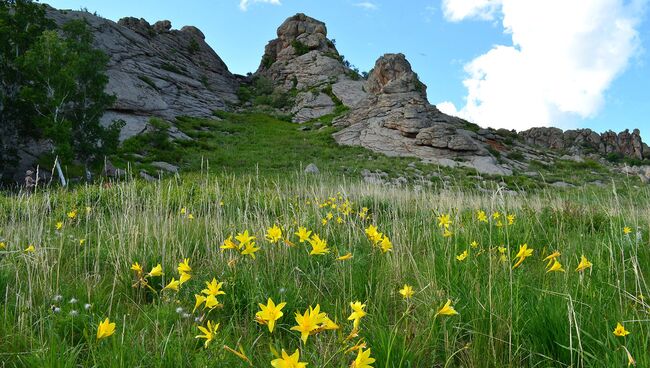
[396,119]
[585,141]
[155,70]
[303,59]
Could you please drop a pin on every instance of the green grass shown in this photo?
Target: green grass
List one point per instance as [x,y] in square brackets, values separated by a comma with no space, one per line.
[507,318]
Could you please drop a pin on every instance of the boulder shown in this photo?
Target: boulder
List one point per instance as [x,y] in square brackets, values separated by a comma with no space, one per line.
[304,60]
[396,119]
[311,169]
[156,71]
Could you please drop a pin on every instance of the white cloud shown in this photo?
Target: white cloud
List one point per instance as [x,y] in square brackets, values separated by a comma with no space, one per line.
[564,56]
[244,4]
[367,5]
[457,10]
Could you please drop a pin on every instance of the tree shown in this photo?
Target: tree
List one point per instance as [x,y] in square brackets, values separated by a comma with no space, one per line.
[53,82]
[21,23]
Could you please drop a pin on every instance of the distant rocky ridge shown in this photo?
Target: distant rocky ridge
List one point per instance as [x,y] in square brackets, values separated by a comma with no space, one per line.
[583,141]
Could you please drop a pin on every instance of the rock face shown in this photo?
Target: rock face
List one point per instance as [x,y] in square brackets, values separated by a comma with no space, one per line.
[157,71]
[303,59]
[396,119]
[587,141]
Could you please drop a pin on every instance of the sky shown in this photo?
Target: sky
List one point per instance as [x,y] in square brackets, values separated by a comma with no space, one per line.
[512,64]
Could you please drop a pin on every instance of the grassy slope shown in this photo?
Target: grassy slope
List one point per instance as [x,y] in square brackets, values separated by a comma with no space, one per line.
[519,318]
[259,142]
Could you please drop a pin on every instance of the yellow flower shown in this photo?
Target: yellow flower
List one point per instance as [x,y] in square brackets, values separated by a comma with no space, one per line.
[229,244]
[200,299]
[496,215]
[250,249]
[274,234]
[308,322]
[584,264]
[444,221]
[481,216]
[3,245]
[137,268]
[344,257]
[105,329]
[30,249]
[407,291]
[357,313]
[156,271]
[323,221]
[372,234]
[524,252]
[447,309]
[303,234]
[339,220]
[329,216]
[190,216]
[172,285]
[208,332]
[461,257]
[183,211]
[474,244]
[386,245]
[363,359]
[556,267]
[328,324]
[72,214]
[551,257]
[184,277]
[318,245]
[270,313]
[211,302]
[213,288]
[447,233]
[620,331]
[627,230]
[59,225]
[511,219]
[244,238]
[82,241]
[184,267]
[288,361]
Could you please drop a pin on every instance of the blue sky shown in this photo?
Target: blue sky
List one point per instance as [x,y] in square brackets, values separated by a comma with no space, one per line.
[441,38]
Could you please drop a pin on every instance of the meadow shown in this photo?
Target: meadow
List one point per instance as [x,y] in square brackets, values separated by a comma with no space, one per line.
[434,277]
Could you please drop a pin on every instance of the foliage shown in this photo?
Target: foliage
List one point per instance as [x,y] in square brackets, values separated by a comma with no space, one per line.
[300,47]
[55,82]
[521,317]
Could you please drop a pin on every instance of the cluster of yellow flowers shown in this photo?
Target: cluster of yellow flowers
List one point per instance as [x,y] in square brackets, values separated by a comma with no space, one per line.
[379,239]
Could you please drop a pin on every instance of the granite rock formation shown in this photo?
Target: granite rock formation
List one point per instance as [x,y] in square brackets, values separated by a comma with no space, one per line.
[396,119]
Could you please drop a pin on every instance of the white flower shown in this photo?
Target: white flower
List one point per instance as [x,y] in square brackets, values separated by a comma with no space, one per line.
[73,300]
[74,313]
[87,306]
[57,298]
[179,310]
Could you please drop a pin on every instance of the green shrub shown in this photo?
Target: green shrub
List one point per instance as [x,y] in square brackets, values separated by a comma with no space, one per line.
[300,47]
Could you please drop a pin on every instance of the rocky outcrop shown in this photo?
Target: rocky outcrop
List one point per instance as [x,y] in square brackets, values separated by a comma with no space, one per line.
[303,59]
[584,141]
[396,119]
[155,70]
